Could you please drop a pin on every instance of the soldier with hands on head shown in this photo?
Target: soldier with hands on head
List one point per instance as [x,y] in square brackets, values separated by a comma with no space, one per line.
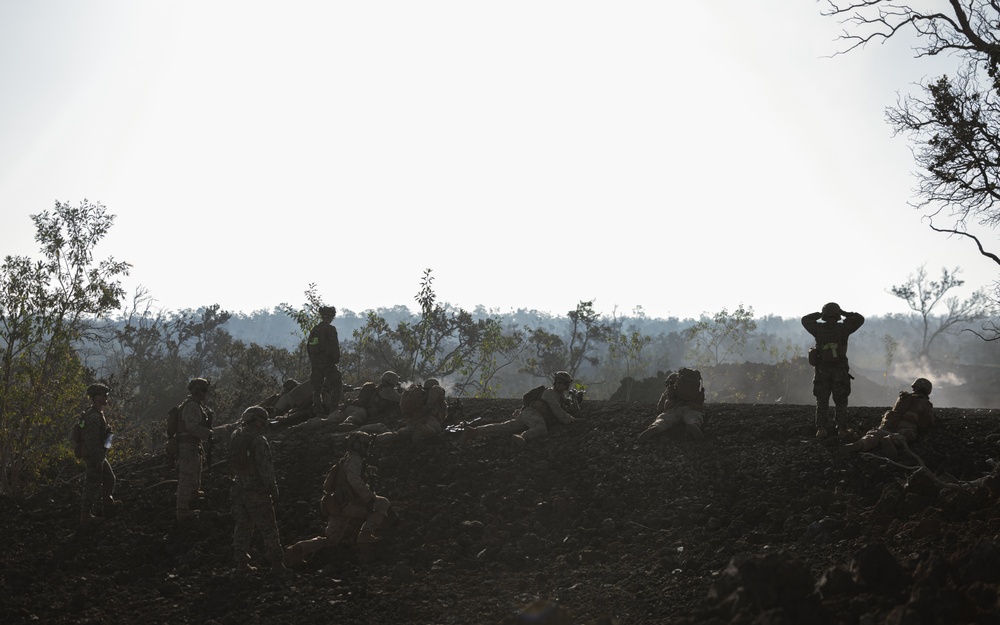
[831,328]
[323,348]
[347,497]
[533,419]
[681,403]
[253,491]
[94,441]
[909,417]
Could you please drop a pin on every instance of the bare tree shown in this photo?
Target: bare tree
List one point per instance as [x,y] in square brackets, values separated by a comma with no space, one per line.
[923,296]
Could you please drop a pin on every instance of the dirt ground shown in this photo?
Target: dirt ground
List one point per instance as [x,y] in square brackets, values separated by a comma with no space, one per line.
[759,523]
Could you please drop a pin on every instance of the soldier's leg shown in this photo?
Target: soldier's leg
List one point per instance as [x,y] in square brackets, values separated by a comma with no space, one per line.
[355,416]
[242,530]
[263,515]
[374,520]
[662,423]
[841,390]
[535,424]
[188,478]
[822,391]
[333,389]
[693,422]
[108,482]
[317,379]
[91,490]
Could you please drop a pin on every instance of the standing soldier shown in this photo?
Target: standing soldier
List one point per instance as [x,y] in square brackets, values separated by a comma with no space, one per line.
[831,327]
[94,440]
[254,488]
[347,497]
[193,427]
[533,418]
[323,348]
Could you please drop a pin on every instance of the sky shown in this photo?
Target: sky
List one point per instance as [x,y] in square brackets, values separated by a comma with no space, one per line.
[678,157]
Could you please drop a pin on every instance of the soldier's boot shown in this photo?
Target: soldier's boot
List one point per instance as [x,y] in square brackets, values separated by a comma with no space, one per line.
[367,537]
[821,420]
[646,434]
[695,432]
[317,405]
[244,568]
[821,433]
[110,506]
[840,415]
[888,449]
[186,514]
[518,440]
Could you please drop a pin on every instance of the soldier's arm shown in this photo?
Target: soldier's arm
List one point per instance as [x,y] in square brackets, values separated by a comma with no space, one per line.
[551,397]
[356,480]
[334,348]
[811,321]
[191,414]
[92,443]
[265,465]
[853,321]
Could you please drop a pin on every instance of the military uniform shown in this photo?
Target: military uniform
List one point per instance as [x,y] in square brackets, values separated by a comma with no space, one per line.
[254,487]
[531,421]
[99,479]
[832,375]
[910,416]
[427,421]
[193,427]
[673,411]
[347,497]
[382,403]
[323,348]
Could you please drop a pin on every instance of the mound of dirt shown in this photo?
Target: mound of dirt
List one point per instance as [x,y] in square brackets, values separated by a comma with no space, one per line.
[758,523]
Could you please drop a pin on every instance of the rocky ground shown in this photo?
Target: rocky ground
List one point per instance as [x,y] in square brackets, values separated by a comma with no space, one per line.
[759,523]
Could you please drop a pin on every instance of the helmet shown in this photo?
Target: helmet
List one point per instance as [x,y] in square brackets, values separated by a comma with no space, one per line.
[391,378]
[359,442]
[671,378]
[831,311]
[289,385]
[430,383]
[198,384]
[922,385]
[98,389]
[327,312]
[562,376]
[253,413]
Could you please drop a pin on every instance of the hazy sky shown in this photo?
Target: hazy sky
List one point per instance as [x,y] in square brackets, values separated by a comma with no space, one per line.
[684,157]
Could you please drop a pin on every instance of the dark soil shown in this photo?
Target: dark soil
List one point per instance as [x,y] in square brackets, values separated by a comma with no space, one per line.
[759,523]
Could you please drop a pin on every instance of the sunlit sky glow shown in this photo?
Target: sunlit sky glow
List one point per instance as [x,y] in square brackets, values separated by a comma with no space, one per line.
[682,157]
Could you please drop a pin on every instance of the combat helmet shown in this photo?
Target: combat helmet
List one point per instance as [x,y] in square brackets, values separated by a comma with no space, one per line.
[430,383]
[359,442]
[562,376]
[922,385]
[327,312]
[831,311]
[198,384]
[391,378]
[289,384]
[254,413]
[98,389]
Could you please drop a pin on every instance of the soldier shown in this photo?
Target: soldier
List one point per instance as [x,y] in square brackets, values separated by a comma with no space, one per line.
[347,496]
[831,328]
[269,403]
[533,418]
[194,426]
[909,417]
[95,439]
[323,348]
[254,488]
[374,401]
[425,409]
[682,402]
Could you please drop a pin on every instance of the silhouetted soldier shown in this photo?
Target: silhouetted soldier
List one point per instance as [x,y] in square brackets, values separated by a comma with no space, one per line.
[831,327]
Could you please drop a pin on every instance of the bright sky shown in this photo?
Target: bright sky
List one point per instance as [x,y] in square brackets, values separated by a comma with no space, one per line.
[682,157]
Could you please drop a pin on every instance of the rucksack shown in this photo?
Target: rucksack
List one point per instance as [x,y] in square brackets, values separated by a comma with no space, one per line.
[412,400]
[240,462]
[173,416]
[688,385]
[368,390]
[76,437]
[533,395]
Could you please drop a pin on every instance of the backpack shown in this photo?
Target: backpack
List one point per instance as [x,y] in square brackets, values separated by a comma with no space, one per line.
[240,462]
[412,400]
[533,395]
[368,390]
[76,437]
[688,385]
[336,491]
[173,416]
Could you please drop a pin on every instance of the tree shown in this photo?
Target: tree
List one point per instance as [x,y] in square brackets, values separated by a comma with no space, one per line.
[551,352]
[923,296]
[626,346]
[712,341]
[955,122]
[46,308]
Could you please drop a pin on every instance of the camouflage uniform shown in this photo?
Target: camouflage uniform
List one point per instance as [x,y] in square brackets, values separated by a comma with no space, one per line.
[672,411]
[832,373]
[347,497]
[382,403]
[910,415]
[529,422]
[428,420]
[323,348]
[99,479]
[254,487]
[192,429]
